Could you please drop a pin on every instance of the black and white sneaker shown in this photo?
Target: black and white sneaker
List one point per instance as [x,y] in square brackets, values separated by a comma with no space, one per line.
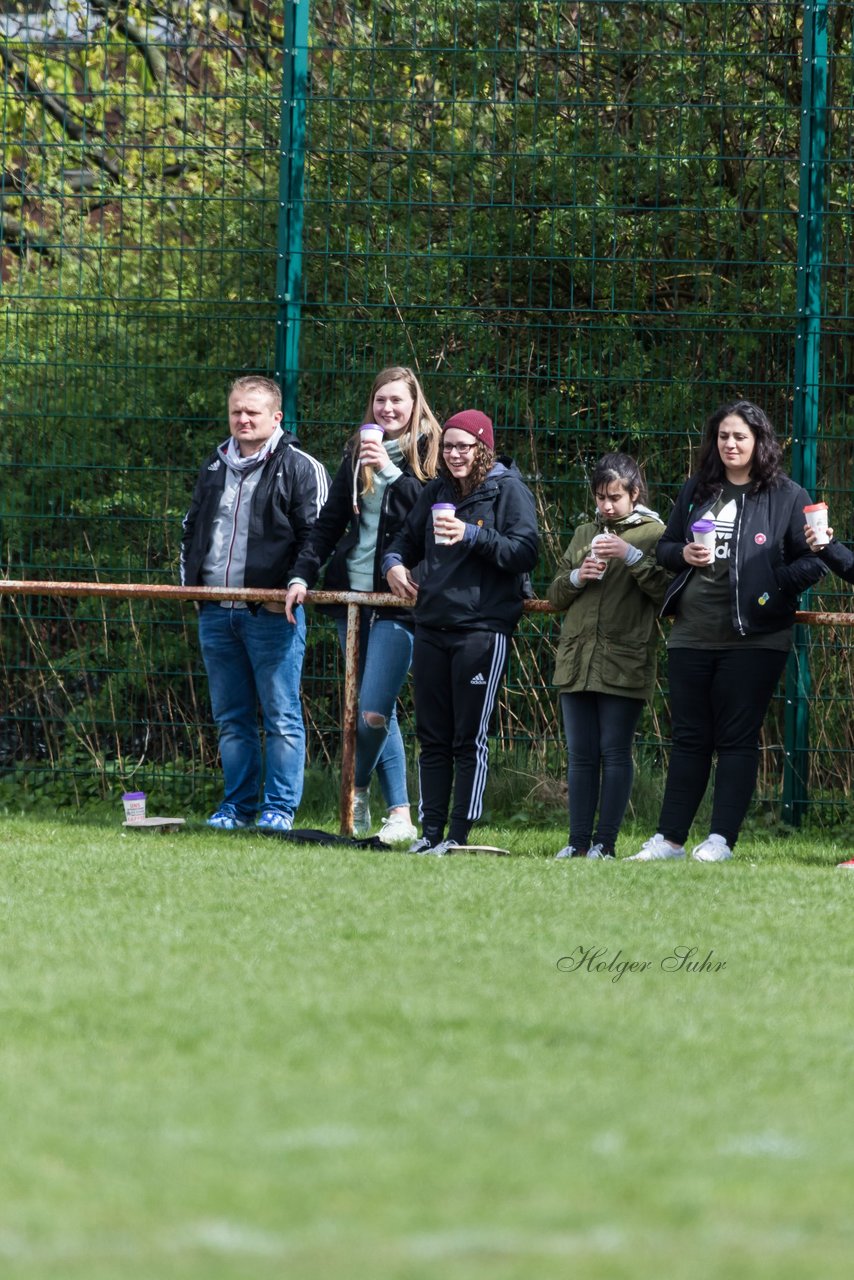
[420,845]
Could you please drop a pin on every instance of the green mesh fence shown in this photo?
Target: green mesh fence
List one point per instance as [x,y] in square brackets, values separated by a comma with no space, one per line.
[591,220]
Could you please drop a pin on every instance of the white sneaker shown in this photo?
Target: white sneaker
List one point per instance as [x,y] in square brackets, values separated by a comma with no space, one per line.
[656,849]
[361,813]
[397,829]
[570,851]
[715,849]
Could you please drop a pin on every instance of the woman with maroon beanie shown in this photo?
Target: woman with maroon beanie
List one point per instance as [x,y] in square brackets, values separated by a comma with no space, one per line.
[473,532]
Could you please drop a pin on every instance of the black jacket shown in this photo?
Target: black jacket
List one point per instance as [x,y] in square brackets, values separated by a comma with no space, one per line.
[337,531]
[770,562]
[839,559]
[479,584]
[285,505]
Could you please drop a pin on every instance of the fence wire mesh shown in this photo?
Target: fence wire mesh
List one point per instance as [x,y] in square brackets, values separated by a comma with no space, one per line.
[584,218]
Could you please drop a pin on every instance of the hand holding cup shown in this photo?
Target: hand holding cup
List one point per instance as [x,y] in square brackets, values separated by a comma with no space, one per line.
[591,569]
[814,540]
[372,453]
[816,515]
[596,561]
[696,555]
[700,552]
[447,529]
[609,546]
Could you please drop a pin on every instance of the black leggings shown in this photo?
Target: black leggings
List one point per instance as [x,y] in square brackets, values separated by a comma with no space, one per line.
[718,700]
[600,729]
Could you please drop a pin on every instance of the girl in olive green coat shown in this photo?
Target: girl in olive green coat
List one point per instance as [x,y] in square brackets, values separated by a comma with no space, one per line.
[606,655]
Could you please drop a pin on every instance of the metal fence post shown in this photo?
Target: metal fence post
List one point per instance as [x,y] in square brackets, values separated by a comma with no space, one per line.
[290,221]
[813,158]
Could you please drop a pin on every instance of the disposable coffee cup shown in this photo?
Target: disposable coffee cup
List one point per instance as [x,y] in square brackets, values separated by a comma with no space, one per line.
[703,533]
[440,509]
[372,434]
[598,540]
[817,519]
[134,803]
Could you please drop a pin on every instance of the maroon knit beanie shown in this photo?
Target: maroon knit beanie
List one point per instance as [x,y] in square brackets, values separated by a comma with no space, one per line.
[474,423]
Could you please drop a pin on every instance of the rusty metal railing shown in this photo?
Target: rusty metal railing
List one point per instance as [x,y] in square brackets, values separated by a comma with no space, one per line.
[353,600]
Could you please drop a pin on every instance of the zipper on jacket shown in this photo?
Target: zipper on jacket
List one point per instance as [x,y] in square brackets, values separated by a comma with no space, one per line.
[234,514]
[737,589]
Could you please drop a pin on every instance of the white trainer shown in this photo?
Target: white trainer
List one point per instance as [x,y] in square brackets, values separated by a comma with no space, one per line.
[714,849]
[656,849]
[397,829]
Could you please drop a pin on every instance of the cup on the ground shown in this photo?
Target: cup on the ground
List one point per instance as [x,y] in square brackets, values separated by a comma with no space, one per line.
[371,433]
[591,555]
[134,803]
[816,516]
[703,533]
[441,509]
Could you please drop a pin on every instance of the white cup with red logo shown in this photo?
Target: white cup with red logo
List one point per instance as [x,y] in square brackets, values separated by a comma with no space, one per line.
[134,804]
[816,517]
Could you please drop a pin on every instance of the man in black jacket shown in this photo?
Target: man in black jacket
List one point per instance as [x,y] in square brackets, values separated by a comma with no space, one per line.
[255,501]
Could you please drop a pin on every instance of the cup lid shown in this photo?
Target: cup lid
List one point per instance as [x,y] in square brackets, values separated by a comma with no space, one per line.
[443,506]
[703,526]
[372,426]
[815,506]
[133,795]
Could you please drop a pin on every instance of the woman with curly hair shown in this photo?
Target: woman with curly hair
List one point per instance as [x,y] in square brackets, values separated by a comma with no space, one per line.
[734,610]
[474,534]
[373,491]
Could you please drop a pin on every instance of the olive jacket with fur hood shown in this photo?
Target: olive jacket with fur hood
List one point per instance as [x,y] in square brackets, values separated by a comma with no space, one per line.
[609,636]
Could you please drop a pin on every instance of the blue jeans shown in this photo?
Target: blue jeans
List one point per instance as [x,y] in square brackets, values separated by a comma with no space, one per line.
[385,655]
[251,659]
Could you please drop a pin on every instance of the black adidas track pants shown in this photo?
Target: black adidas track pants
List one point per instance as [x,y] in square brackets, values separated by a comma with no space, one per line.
[457,675]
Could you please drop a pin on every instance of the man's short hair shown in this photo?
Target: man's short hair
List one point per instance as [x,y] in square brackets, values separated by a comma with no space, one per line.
[256,382]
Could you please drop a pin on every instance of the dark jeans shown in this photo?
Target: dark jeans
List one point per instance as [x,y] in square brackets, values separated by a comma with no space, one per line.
[600,729]
[718,700]
[456,675]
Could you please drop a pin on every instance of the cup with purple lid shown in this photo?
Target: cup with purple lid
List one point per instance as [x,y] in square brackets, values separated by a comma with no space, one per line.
[371,433]
[441,509]
[703,533]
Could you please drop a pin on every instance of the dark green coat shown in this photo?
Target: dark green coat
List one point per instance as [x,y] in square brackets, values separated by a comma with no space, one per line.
[609,635]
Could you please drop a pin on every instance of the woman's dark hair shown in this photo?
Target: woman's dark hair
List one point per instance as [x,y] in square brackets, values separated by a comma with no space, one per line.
[766,465]
[618,468]
[484,461]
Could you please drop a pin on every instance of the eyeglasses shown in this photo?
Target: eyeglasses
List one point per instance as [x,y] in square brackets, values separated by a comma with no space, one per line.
[462,449]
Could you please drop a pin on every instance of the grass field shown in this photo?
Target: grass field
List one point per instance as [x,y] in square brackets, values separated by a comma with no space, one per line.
[225,1056]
